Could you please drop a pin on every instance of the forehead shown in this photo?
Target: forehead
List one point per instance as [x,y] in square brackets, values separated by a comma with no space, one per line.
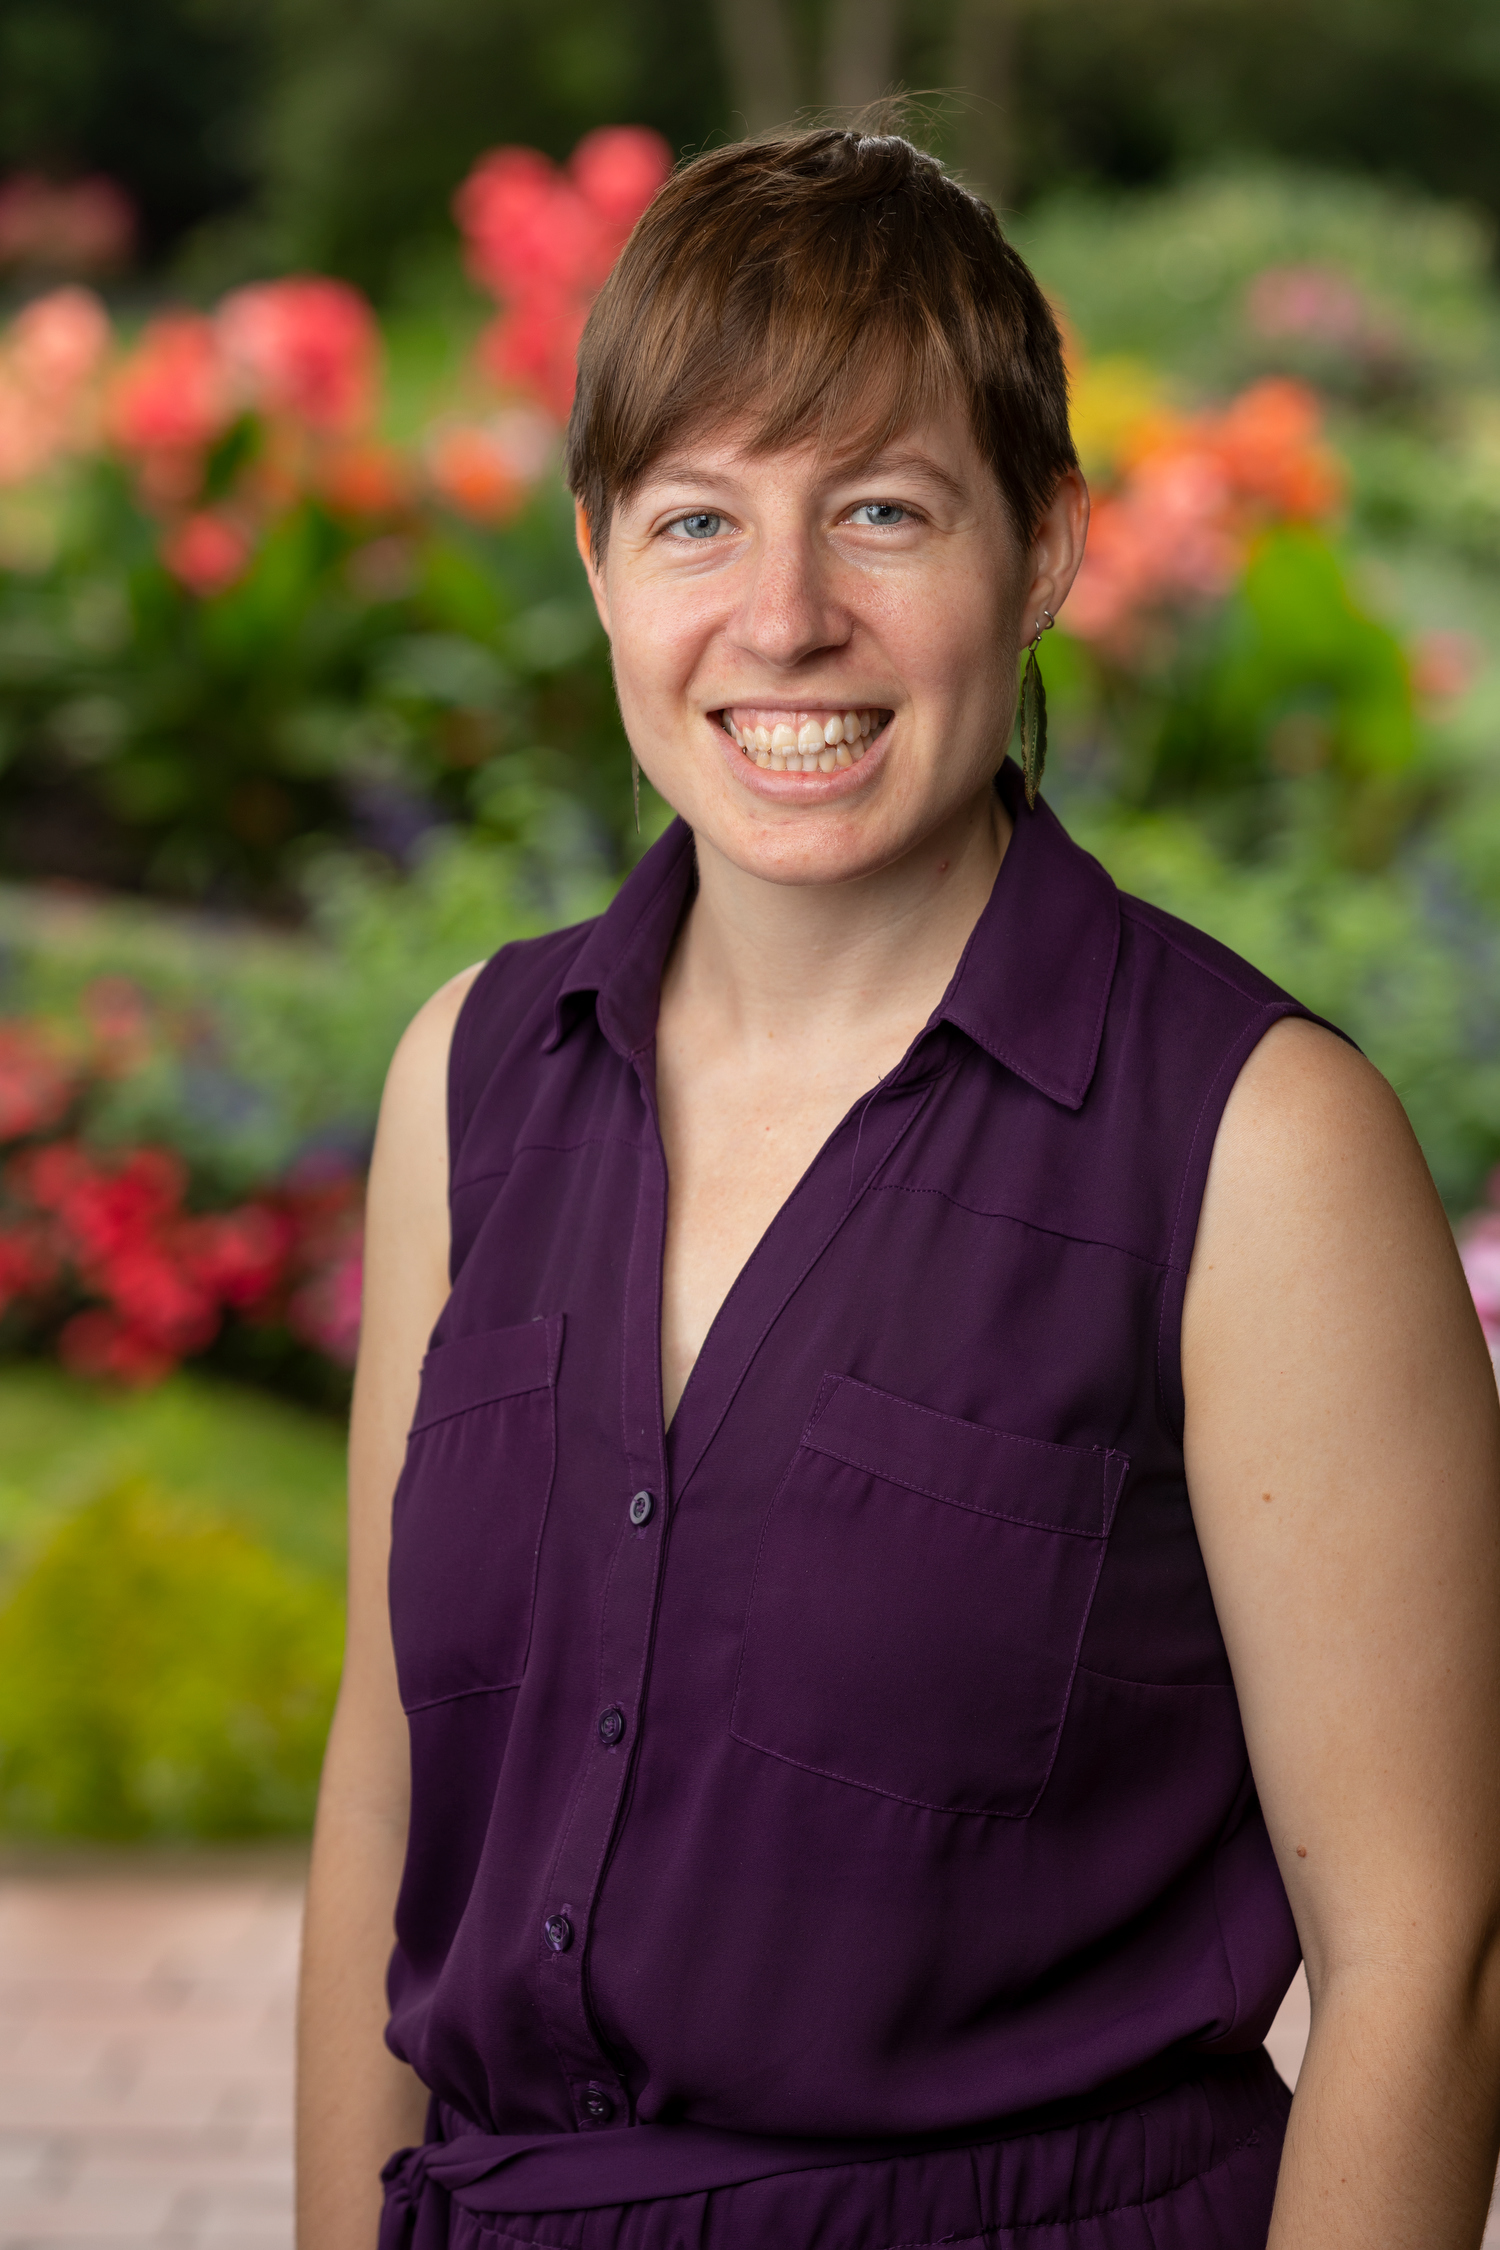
[937,443]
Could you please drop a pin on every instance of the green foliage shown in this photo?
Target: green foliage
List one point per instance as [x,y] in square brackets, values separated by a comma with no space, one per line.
[272,1469]
[1129,91]
[158,93]
[161,1675]
[353,686]
[1416,988]
[1164,274]
[276,1043]
[376,113]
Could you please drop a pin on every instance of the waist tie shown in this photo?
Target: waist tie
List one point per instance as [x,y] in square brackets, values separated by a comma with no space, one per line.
[572,2171]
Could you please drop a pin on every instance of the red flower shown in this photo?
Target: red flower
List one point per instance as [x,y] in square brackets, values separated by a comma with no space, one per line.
[100,1345]
[238,1256]
[306,349]
[29,1263]
[206,552]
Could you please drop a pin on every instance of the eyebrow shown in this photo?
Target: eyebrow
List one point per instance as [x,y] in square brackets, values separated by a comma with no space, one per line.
[684,469]
[890,463]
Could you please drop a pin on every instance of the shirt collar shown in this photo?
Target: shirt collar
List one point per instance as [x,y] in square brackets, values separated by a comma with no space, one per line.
[1030,989]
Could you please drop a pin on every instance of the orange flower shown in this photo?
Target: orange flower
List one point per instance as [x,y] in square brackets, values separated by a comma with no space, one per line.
[364,480]
[1193,491]
[471,470]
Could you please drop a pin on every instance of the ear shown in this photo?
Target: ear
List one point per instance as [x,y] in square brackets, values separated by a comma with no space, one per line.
[585,546]
[1056,551]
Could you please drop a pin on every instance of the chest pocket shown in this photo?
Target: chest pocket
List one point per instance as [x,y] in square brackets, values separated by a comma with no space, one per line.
[469,1511]
[919,1599]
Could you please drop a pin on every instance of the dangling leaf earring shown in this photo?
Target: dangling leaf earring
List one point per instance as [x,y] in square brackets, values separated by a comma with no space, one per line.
[635,788]
[1033,715]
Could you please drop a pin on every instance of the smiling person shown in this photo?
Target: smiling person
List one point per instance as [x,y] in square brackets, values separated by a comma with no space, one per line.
[946,1530]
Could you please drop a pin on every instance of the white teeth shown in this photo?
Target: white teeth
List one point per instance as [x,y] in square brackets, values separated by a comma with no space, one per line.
[816,746]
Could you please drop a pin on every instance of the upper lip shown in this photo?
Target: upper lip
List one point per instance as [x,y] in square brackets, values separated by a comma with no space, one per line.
[802,703]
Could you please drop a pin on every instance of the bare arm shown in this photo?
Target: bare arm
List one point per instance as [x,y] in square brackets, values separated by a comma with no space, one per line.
[355,2102]
[1343,1453]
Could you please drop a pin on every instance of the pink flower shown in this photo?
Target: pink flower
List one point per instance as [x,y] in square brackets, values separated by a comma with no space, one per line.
[543,239]
[528,227]
[207,552]
[173,393]
[51,353]
[1312,301]
[1445,664]
[37,1083]
[306,349]
[84,227]
[325,1312]
[618,169]
[58,342]
[533,346]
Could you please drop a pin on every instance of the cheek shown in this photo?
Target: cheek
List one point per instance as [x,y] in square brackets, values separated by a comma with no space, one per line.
[950,641]
[656,643]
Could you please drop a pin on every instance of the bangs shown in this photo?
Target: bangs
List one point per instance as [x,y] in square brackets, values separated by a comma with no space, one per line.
[822,288]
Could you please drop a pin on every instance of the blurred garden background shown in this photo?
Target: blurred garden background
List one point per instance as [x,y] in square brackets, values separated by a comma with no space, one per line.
[303,705]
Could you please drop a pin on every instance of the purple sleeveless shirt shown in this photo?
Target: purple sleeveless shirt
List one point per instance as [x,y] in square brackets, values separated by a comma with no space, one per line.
[858,1759]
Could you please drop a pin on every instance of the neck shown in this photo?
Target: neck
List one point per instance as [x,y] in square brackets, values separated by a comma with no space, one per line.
[784,959]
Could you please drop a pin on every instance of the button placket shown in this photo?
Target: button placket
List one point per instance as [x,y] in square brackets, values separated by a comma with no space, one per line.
[599,2097]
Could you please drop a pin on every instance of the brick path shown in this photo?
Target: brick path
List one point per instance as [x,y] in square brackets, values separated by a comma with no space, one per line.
[146,2055]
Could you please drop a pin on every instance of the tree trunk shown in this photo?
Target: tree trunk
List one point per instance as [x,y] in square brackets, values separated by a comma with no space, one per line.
[984,71]
[759,62]
[859,54]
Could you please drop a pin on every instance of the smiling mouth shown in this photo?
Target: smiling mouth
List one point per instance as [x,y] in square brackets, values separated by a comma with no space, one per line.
[812,741]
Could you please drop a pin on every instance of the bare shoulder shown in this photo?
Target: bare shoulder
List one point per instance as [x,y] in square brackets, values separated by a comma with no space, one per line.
[1325,1289]
[416,1086]
[406,1226]
[1314,1162]
[1309,1106]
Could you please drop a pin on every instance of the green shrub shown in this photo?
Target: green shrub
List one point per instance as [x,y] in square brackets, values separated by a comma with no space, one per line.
[162,1675]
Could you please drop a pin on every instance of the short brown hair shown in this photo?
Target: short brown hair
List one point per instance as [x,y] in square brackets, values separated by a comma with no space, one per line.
[830,282]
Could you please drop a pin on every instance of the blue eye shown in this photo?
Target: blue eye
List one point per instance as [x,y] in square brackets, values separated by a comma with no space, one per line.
[701,526]
[880,514]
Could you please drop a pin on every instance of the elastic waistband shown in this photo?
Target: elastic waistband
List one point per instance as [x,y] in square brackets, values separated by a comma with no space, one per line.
[573,2171]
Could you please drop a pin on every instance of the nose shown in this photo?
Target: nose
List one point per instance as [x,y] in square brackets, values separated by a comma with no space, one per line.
[790,611]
